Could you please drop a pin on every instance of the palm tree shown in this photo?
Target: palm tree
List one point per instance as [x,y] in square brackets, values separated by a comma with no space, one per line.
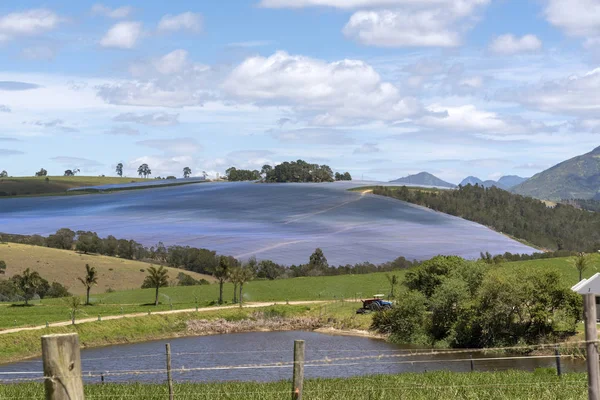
[246,274]
[157,278]
[234,277]
[581,263]
[221,272]
[28,283]
[393,280]
[90,279]
[74,303]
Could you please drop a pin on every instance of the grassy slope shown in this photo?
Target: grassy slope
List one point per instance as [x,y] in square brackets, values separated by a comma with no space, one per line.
[309,288]
[56,184]
[65,266]
[543,384]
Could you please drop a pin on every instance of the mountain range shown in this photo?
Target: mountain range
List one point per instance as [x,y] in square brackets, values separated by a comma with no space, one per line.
[506,182]
[425,179]
[576,178]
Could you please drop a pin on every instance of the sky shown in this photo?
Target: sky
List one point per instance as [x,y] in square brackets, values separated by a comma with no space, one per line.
[379,88]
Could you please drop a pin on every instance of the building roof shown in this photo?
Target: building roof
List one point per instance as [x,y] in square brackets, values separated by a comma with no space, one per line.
[590,285]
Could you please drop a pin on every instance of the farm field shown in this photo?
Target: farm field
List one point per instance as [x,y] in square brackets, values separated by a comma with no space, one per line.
[281,222]
[517,385]
[66,266]
[34,185]
[326,288]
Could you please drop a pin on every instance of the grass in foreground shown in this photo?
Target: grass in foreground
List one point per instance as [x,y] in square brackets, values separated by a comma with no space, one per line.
[543,384]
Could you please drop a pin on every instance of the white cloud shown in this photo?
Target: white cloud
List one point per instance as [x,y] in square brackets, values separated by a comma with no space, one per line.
[575,95]
[367,148]
[352,4]
[510,44]
[4,109]
[39,53]
[348,89]
[28,23]
[115,13]
[469,119]
[169,81]
[123,131]
[576,17]
[187,21]
[76,162]
[151,119]
[388,28]
[179,146]
[123,35]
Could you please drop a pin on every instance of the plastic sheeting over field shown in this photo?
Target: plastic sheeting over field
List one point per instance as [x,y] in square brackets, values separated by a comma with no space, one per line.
[281,222]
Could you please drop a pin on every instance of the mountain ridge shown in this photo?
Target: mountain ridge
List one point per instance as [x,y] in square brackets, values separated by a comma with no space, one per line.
[424,178]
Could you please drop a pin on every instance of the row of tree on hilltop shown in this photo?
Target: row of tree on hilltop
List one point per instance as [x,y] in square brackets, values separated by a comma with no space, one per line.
[294,171]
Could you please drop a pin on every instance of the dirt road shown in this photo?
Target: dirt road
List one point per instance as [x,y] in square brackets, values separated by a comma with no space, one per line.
[111,317]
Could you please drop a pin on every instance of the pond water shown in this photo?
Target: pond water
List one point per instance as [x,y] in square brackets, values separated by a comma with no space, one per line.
[281,222]
[236,354]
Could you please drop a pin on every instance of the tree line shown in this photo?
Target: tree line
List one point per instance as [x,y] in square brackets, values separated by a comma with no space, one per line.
[448,301]
[561,227]
[294,171]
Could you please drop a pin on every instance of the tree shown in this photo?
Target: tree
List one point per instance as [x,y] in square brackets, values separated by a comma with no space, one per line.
[41,172]
[3,174]
[119,169]
[318,260]
[187,171]
[264,171]
[234,278]
[393,280]
[144,170]
[2,267]
[69,173]
[62,239]
[204,175]
[157,278]
[221,271]
[246,275]
[74,304]
[581,263]
[90,279]
[28,283]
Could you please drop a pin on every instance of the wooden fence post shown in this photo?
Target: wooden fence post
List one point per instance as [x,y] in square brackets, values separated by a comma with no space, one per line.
[169,377]
[62,367]
[558,366]
[591,337]
[298,380]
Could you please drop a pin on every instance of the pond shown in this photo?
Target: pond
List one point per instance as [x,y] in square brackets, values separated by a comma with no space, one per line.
[234,357]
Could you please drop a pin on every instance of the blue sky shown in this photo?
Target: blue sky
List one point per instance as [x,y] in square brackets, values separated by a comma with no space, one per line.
[381,88]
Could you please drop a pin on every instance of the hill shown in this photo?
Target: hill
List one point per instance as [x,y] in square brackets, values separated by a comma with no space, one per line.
[66,266]
[576,178]
[29,185]
[562,227]
[424,178]
[471,180]
[510,181]
[505,182]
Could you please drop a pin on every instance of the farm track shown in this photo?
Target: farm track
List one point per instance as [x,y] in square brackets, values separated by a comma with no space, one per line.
[134,315]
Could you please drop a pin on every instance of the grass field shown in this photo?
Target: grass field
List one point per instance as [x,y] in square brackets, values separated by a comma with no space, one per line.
[348,287]
[543,384]
[33,185]
[66,266]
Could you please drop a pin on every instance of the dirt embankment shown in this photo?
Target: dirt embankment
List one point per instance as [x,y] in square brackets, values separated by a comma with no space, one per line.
[260,324]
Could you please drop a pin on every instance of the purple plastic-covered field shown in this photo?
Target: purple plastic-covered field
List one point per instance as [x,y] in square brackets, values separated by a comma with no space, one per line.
[281,222]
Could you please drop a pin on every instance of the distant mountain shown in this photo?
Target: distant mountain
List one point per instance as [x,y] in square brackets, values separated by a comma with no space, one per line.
[577,178]
[510,181]
[506,182]
[424,178]
[471,180]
